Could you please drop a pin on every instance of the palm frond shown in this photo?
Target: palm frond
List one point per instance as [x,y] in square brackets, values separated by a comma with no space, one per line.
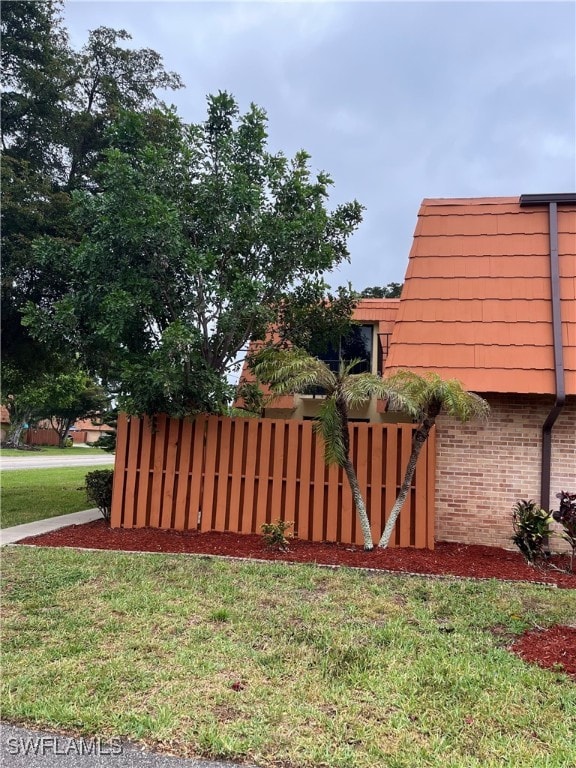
[290,371]
[328,424]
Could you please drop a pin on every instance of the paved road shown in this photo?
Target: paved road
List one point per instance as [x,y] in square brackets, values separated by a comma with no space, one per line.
[37,462]
[22,748]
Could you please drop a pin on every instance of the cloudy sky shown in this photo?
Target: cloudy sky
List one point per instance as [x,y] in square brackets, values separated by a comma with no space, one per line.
[398,101]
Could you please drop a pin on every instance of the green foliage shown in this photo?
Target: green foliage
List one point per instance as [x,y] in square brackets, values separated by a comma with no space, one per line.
[389,291]
[197,238]
[274,535]
[531,529]
[107,440]
[566,516]
[99,490]
[57,105]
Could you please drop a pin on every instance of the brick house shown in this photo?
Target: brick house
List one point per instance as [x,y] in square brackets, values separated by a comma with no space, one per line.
[490,299]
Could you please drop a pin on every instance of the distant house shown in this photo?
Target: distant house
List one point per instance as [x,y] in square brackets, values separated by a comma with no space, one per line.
[4,422]
[490,299]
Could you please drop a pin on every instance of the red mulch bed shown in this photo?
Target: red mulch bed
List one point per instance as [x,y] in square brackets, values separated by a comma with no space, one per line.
[446,559]
[554,648]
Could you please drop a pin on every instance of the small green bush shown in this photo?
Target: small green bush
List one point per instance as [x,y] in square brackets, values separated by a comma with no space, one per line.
[274,535]
[531,528]
[99,490]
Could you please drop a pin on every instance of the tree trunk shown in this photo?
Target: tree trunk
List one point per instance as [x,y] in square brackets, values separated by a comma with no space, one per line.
[14,436]
[417,444]
[348,467]
[359,504]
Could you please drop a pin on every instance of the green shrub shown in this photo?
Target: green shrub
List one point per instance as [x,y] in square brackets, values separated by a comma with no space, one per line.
[99,490]
[531,528]
[566,516]
[274,535]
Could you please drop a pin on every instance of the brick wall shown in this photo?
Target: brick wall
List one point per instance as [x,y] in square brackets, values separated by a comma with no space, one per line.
[482,469]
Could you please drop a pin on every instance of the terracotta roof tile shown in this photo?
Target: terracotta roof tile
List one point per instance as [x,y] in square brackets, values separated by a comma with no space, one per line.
[476,303]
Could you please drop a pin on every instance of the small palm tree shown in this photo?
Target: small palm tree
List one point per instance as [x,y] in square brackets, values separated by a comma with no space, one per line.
[294,370]
[428,396]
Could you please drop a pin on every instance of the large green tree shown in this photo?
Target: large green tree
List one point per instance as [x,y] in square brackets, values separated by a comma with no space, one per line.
[198,237]
[57,105]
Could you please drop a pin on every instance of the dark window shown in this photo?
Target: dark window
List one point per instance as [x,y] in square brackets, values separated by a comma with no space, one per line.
[356,344]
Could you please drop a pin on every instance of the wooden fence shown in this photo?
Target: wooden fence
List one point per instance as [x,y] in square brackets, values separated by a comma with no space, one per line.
[216,473]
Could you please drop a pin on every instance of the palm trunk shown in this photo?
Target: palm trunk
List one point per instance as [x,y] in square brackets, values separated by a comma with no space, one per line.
[348,467]
[360,506]
[417,444]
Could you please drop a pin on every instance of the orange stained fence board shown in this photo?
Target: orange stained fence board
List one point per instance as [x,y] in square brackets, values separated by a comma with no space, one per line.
[211,450]
[376,482]
[291,489]
[306,446]
[263,475]
[120,463]
[159,444]
[183,476]
[130,497]
[167,509]
[196,470]
[234,511]
[318,491]
[403,523]
[221,501]
[143,457]
[248,509]
[276,511]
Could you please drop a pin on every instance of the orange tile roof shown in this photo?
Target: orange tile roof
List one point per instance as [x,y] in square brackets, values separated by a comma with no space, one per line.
[476,303]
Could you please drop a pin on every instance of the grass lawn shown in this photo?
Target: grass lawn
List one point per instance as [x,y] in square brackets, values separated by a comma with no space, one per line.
[36,494]
[45,450]
[283,665]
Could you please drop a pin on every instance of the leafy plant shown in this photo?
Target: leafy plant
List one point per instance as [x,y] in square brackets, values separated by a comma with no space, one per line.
[566,516]
[99,490]
[531,528]
[274,535]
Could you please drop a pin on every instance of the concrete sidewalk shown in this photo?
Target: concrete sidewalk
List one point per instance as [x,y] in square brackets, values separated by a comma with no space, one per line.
[17,532]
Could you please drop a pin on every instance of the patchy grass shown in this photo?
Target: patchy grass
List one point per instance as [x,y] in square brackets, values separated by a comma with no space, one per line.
[36,494]
[283,665]
[45,450]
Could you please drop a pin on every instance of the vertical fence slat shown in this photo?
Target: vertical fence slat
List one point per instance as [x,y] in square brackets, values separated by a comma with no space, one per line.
[130,498]
[167,503]
[291,472]
[196,469]
[306,445]
[361,431]
[332,509]
[391,473]
[183,477]
[144,474]
[221,499]
[121,462]
[376,482]
[421,500]
[158,470]
[247,511]
[277,471]
[317,505]
[403,524]
[212,430]
[263,475]
[236,479]
[431,488]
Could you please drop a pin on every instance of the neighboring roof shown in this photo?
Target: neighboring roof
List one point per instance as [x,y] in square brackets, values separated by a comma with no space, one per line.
[476,303]
[381,311]
[87,425]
